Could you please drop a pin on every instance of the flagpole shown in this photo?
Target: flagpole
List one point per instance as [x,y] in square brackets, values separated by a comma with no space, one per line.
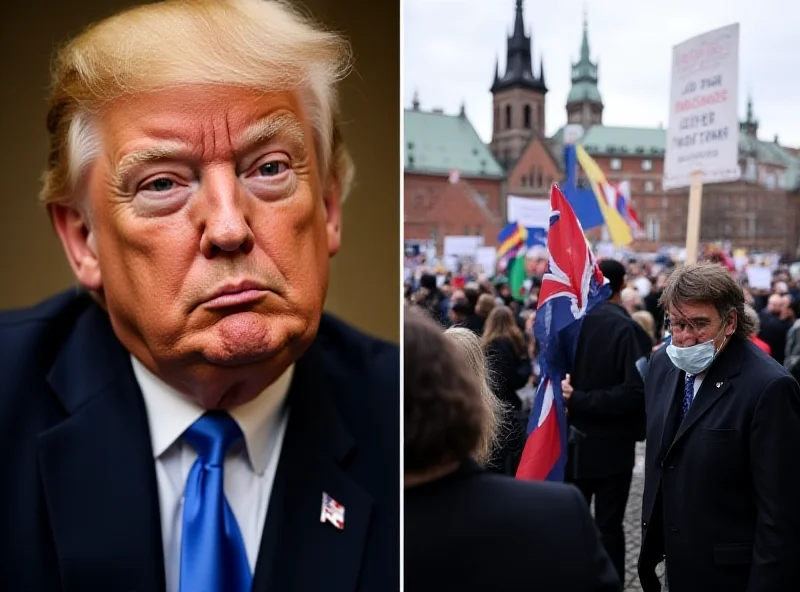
[693,221]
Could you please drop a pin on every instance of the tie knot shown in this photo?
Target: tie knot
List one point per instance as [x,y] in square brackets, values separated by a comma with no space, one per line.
[212,435]
[690,379]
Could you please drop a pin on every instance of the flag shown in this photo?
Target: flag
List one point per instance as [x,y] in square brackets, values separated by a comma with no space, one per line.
[572,286]
[582,200]
[625,207]
[516,275]
[617,227]
[511,237]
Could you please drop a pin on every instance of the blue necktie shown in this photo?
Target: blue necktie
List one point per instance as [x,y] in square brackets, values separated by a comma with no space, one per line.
[213,557]
[688,394]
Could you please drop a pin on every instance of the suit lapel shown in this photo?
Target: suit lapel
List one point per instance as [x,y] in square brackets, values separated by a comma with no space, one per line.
[715,384]
[97,468]
[671,409]
[298,551]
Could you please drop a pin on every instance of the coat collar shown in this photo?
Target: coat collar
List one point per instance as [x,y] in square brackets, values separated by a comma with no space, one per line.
[97,468]
[298,550]
[100,488]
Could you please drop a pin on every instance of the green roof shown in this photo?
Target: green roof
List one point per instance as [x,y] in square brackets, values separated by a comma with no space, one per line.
[583,91]
[633,141]
[437,143]
[630,141]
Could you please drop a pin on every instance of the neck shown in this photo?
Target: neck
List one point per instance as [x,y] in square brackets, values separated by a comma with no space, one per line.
[616,298]
[414,479]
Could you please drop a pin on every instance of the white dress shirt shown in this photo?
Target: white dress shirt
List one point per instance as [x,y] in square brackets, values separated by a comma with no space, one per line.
[698,380]
[249,469]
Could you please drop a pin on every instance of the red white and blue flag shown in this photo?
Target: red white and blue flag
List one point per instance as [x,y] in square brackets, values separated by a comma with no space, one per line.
[572,286]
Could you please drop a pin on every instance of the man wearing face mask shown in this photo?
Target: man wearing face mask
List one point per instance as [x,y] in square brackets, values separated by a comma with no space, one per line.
[723,435]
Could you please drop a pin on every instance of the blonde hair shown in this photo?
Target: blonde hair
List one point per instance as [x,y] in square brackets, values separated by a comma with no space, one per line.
[646,322]
[265,46]
[469,347]
[485,304]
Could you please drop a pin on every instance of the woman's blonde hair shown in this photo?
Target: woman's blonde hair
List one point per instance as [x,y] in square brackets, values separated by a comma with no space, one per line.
[646,322]
[266,46]
[469,345]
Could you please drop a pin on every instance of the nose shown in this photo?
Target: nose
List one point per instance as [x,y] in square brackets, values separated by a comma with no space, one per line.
[225,218]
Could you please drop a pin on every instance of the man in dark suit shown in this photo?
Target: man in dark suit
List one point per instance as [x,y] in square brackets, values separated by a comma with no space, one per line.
[604,397]
[189,419]
[467,529]
[723,436]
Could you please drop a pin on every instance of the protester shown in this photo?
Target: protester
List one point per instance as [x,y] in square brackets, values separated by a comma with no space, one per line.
[510,368]
[467,529]
[723,431]
[604,397]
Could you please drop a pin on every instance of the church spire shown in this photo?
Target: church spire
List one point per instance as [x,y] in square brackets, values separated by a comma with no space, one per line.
[519,63]
[584,103]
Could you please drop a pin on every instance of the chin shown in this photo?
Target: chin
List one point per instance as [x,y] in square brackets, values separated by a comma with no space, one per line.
[248,338]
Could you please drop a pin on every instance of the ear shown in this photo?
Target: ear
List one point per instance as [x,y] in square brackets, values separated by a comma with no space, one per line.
[80,245]
[333,218]
[733,321]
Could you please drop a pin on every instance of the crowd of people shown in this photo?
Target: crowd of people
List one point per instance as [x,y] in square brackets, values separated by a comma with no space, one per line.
[642,356]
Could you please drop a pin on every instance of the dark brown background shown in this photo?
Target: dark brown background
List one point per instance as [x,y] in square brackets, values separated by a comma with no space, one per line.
[365,283]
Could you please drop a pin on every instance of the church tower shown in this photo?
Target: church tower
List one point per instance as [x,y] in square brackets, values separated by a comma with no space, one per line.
[584,105]
[518,98]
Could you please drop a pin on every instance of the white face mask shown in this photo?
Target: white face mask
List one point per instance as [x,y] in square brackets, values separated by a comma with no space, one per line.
[695,359]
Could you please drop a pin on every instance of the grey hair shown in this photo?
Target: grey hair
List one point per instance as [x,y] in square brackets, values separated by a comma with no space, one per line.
[710,283]
[469,346]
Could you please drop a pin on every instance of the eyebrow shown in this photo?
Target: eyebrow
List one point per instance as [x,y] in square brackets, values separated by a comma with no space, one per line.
[267,128]
[263,130]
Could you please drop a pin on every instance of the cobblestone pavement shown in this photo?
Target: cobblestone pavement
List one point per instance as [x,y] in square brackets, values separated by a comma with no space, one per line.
[633,518]
[632,525]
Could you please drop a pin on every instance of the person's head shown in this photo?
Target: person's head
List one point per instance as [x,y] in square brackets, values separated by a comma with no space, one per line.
[631,300]
[445,416]
[646,322]
[459,310]
[775,304]
[704,302]
[485,305]
[614,272]
[501,324]
[469,346]
[195,178]
[752,316]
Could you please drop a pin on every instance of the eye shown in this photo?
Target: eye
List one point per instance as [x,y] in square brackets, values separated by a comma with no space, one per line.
[159,185]
[272,168]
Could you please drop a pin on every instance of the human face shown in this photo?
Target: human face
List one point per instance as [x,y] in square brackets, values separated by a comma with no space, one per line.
[209,236]
[697,322]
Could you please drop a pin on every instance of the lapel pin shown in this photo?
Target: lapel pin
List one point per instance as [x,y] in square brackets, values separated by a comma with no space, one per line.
[332,511]
[719,384]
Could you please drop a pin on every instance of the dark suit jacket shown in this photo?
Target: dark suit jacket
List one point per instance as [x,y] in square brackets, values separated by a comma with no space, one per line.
[722,494]
[79,505]
[474,530]
[607,405]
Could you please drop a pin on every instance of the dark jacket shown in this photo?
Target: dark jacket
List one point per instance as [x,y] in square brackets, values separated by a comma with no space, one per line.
[606,409]
[475,531]
[721,489]
[79,504]
[509,370]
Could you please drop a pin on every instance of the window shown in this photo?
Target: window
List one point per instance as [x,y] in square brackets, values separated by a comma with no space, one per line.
[466,230]
[616,164]
[527,116]
[508,116]
[653,229]
[478,230]
[649,186]
[497,118]
[524,180]
[647,164]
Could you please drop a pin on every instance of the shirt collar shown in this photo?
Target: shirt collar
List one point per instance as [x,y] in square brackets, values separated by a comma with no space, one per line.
[170,413]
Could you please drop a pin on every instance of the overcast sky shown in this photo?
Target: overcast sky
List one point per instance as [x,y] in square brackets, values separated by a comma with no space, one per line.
[449,50]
